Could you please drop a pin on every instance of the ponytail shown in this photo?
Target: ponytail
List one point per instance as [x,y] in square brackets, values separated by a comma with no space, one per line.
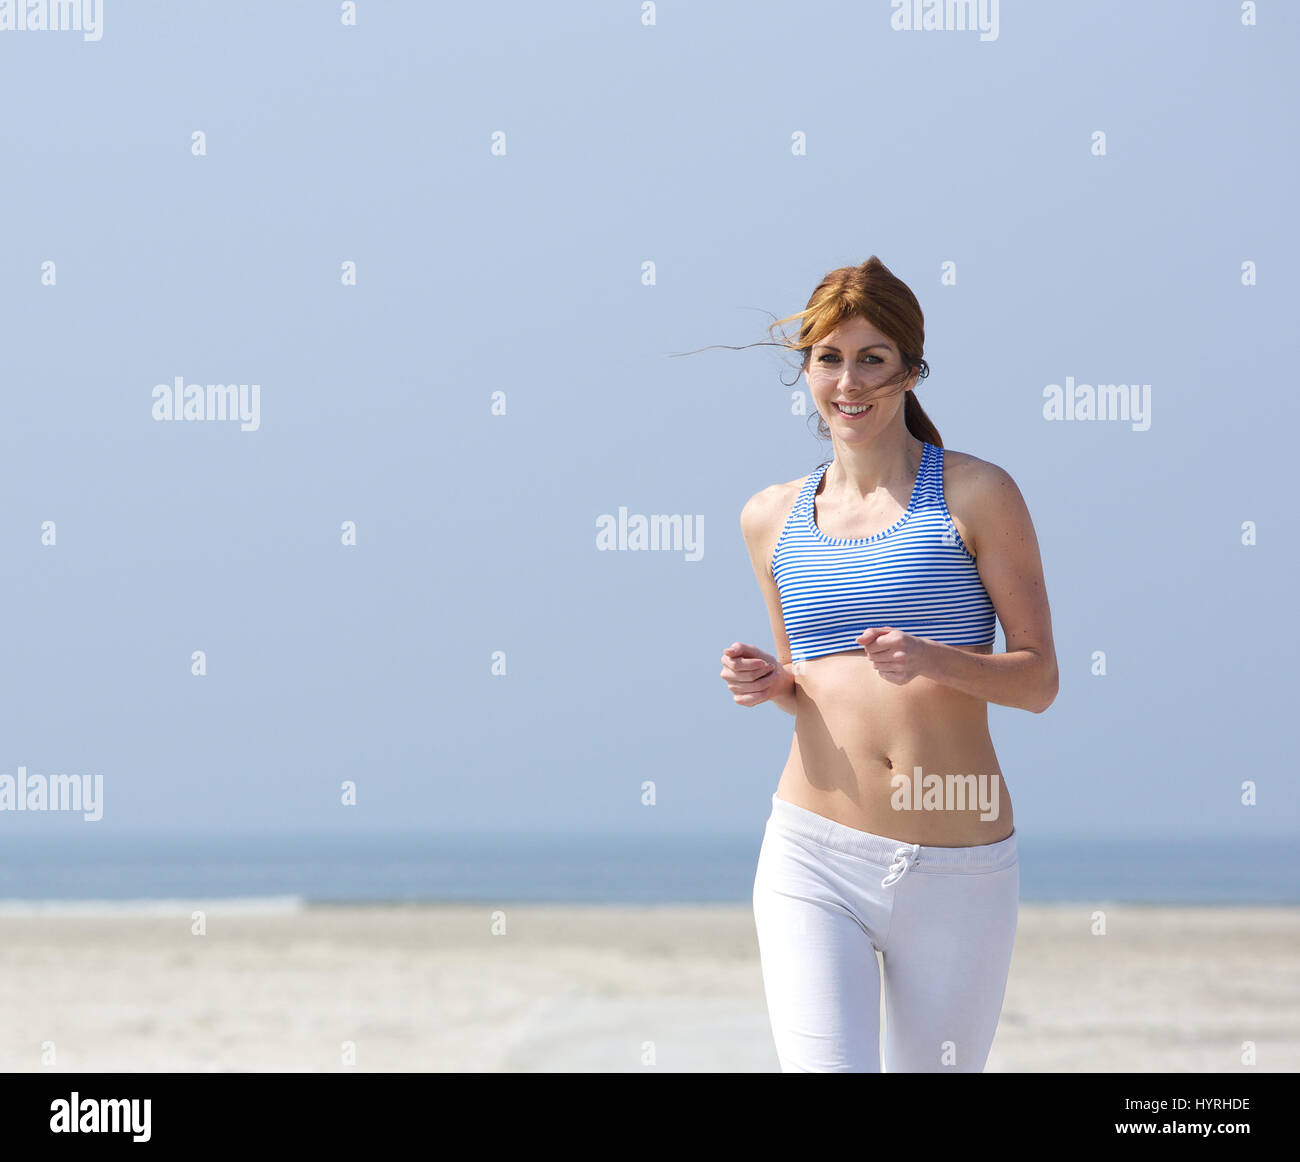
[918,423]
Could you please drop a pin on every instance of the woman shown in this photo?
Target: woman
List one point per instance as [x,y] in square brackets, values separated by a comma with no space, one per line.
[891,828]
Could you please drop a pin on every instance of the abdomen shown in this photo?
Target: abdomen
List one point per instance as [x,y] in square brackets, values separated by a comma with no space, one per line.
[859,739]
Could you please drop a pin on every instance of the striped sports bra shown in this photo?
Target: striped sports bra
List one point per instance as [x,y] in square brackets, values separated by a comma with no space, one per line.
[916,576]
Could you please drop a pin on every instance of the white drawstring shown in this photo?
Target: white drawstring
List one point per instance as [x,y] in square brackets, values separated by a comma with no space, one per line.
[904,858]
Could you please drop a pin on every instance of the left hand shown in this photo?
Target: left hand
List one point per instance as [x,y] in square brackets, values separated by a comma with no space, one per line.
[898,657]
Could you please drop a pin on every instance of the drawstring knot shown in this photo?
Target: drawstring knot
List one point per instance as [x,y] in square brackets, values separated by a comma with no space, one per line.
[904,858]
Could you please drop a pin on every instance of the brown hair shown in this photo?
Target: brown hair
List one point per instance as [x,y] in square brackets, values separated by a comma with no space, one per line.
[873,292]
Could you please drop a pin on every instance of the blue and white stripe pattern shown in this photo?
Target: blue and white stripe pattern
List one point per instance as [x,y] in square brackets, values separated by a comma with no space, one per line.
[916,576]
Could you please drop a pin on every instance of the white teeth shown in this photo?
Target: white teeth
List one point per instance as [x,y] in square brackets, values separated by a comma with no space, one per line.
[853,411]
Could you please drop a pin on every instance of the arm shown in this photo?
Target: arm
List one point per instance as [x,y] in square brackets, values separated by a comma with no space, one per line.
[1023,678]
[758,525]
[996,527]
[786,696]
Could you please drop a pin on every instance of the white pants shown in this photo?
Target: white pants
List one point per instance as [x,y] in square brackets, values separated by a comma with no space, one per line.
[827,897]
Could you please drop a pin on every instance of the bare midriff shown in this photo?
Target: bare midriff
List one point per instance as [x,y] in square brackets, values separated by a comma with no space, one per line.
[855,733]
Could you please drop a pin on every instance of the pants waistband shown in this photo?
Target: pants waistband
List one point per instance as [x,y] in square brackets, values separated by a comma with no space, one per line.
[888,852]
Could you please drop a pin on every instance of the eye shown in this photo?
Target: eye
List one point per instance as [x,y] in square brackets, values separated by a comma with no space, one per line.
[828,355]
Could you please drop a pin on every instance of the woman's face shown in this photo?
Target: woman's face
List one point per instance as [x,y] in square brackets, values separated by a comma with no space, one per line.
[851,367]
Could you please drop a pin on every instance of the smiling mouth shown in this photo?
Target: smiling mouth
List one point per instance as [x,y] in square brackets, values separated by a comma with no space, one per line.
[853,411]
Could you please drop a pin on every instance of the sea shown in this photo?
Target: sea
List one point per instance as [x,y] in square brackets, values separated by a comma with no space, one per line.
[291,871]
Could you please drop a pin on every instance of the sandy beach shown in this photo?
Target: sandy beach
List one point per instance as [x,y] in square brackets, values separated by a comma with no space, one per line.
[608,989]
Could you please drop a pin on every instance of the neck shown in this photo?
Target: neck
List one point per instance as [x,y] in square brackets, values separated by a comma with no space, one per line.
[890,461]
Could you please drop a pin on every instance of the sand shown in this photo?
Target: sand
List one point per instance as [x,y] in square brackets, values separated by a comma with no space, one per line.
[607,989]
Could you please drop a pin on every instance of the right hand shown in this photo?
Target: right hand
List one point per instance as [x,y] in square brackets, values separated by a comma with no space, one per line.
[751,675]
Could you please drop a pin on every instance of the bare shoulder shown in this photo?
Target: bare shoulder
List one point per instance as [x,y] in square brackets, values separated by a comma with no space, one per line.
[970,476]
[766,511]
[982,498]
[761,520]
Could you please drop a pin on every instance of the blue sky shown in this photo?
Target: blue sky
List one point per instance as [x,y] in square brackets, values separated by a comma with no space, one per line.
[523,273]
